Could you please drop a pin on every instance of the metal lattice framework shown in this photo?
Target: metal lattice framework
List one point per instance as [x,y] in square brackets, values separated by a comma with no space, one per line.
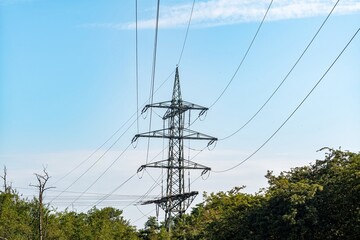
[175,200]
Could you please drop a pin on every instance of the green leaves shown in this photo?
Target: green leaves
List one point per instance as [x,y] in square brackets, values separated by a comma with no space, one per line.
[14,217]
[18,218]
[319,201]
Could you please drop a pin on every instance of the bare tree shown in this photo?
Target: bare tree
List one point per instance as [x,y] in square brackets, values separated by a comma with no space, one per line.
[7,187]
[41,186]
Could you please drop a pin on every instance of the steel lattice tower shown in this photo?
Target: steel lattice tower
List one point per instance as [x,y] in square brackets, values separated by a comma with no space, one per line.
[175,200]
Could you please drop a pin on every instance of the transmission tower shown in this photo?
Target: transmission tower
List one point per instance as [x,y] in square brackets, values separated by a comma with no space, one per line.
[176,199]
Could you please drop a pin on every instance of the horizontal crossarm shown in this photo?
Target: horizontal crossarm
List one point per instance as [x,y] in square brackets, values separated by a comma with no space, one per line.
[175,107]
[187,134]
[175,199]
[164,164]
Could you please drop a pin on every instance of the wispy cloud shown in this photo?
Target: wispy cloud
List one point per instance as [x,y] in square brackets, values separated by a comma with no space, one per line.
[211,13]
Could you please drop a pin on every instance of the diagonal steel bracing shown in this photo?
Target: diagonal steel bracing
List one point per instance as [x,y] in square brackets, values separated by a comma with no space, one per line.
[175,200]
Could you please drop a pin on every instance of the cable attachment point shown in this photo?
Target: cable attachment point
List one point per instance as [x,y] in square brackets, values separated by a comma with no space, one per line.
[134,143]
[204,111]
[141,168]
[145,109]
[205,171]
[134,138]
[157,211]
[211,142]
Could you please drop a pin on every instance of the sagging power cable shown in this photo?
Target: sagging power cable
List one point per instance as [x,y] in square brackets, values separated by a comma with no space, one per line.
[137,65]
[288,118]
[187,31]
[284,79]
[102,174]
[244,57]
[89,168]
[242,60]
[111,193]
[153,74]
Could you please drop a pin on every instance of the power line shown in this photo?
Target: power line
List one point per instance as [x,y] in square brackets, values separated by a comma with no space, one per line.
[244,57]
[144,215]
[106,142]
[277,130]
[114,133]
[138,199]
[137,64]
[286,76]
[92,198]
[109,194]
[187,31]
[113,161]
[153,69]
[89,168]
[103,204]
[92,154]
[72,192]
[156,183]
[241,62]
[123,200]
[152,187]
[150,98]
[117,188]
[153,73]
[154,64]
[137,82]
[103,173]
[121,127]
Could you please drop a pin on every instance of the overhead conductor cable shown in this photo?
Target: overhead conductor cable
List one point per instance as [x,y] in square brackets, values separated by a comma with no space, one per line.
[288,118]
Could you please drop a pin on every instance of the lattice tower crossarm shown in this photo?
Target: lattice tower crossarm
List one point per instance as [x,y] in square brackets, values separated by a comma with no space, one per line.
[176,200]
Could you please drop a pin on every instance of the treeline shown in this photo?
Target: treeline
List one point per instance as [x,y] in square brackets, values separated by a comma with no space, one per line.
[19,219]
[319,201]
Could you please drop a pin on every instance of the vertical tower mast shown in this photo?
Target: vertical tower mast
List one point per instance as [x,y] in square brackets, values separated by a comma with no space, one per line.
[176,200]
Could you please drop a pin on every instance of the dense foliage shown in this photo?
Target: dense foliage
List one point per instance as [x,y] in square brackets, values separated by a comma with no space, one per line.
[319,201]
[19,220]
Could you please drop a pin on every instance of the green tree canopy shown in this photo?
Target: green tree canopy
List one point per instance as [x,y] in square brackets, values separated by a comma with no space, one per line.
[319,201]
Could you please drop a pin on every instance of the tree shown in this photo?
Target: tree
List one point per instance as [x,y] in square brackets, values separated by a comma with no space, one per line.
[7,186]
[14,217]
[319,201]
[338,204]
[108,223]
[151,229]
[42,180]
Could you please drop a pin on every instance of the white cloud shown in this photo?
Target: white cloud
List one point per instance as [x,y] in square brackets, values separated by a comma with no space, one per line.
[225,12]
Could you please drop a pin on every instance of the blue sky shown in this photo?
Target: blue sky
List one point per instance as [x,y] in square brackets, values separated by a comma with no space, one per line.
[67,83]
